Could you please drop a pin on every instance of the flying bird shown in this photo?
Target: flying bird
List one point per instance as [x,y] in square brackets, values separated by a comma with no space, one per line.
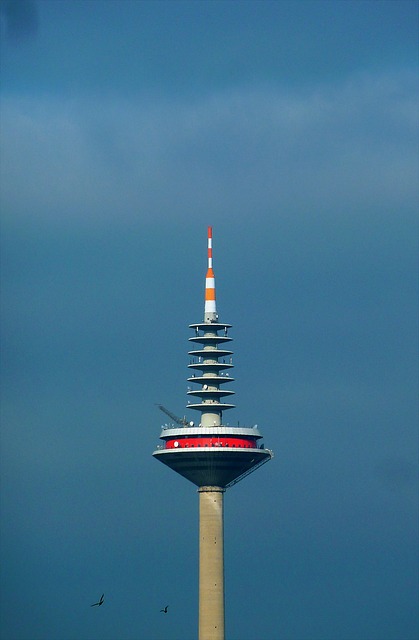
[97,604]
[165,609]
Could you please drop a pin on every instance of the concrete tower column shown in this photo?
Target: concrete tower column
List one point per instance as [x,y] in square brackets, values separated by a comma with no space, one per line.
[211,563]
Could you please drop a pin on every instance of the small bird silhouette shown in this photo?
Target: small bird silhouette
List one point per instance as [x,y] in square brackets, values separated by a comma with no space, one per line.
[165,609]
[98,604]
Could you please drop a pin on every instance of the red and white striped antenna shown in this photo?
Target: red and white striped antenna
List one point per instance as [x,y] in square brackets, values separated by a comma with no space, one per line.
[210,306]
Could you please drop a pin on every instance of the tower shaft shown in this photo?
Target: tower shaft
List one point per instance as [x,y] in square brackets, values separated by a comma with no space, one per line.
[211,563]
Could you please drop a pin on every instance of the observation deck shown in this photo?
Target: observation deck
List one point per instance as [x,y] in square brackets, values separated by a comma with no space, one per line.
[217,457]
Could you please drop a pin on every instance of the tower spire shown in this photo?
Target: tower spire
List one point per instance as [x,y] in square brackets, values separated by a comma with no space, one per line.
[210,314]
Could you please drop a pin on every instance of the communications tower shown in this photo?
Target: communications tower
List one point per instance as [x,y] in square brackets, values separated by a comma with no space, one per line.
[210,453]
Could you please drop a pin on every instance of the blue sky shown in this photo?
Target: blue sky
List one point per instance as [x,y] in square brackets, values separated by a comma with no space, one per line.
[127,128]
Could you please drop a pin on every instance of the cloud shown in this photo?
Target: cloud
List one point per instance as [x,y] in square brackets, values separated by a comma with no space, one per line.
[20,18]
[244,151]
